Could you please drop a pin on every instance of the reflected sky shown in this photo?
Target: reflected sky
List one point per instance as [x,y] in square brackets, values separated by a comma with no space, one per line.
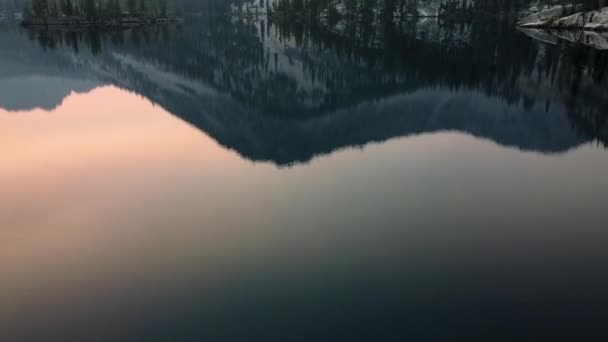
[234,179]
[121,219]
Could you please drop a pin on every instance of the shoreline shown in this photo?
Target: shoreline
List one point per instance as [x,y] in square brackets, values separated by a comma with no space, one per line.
[105,22]
[549,27]
[566,19]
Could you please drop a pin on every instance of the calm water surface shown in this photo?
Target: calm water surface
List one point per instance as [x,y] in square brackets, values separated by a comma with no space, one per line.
[230,180]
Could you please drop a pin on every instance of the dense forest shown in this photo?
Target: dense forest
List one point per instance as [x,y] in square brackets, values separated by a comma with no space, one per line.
[279,76]
[366,9]
[97,8]
[392,8]
[355,61]
[293,8]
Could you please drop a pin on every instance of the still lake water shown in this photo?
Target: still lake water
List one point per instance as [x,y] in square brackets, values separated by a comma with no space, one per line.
[229,180]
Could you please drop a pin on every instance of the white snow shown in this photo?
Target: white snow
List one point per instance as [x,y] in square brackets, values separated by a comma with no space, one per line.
[595,20]
[547,15]
[592,21]
[541,35]
[175,82]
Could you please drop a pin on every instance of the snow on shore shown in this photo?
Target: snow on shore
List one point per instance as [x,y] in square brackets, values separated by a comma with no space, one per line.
[548,15]
[594,20]
[567,18]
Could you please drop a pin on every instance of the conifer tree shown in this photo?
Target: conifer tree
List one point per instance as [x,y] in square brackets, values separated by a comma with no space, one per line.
[40,8]
[143,7]
[162,8]
[90,8]
[69,8]
[132,6]
[53,9]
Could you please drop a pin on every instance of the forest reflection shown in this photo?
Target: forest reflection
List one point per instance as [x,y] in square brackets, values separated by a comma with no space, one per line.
[292,70]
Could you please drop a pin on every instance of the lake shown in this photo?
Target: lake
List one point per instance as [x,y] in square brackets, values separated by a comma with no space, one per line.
[232,179]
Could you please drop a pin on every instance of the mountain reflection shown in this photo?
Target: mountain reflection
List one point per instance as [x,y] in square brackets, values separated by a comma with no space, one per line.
[286,93]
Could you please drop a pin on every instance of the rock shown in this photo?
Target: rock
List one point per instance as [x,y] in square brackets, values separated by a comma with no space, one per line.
[541,35]
[548,15]
[590,21]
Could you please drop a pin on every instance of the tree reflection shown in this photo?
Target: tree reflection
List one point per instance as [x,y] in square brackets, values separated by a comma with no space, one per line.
[98,39]
[304,70]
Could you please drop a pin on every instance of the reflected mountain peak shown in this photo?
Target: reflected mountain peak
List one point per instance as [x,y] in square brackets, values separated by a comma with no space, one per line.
[275,170]
[286,92]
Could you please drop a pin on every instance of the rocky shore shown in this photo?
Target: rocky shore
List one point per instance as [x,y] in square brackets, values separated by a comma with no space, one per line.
[76,21]
[567,18]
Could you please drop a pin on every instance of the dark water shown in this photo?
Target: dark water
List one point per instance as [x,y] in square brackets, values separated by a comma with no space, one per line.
[229,179]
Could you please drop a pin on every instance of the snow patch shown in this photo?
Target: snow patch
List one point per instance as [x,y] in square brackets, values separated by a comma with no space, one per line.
[547,15]
[590,21]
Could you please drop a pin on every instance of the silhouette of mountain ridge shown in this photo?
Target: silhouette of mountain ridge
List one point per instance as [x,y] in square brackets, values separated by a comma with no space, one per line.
[279,101]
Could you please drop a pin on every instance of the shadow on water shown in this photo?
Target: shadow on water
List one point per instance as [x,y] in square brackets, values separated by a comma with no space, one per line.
[290,91]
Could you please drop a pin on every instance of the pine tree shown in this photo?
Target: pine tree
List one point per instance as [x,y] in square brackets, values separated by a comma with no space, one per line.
[162,8]
[132,6]
[69,8]
[106,8]
[117,7]
[53,9]
[143,7]
[40,8]
[27,10]
[90,8]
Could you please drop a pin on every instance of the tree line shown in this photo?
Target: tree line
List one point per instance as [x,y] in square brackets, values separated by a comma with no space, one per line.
[411,8]
[97,8]
[587,5]
[391,8]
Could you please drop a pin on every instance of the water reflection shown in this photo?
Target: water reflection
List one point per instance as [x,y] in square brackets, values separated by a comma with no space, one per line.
[121,222]
[288,92]
[125,216]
